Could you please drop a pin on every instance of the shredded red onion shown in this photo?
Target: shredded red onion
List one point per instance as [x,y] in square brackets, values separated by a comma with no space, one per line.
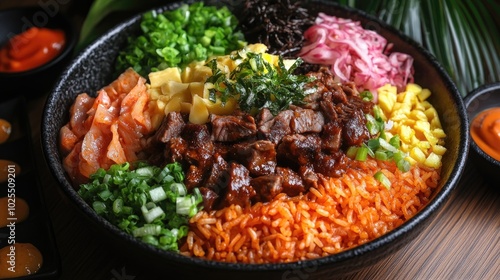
[355,54]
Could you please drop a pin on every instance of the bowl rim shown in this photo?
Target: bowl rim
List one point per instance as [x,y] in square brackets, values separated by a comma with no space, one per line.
[469,100]
[70,43]
[418,219]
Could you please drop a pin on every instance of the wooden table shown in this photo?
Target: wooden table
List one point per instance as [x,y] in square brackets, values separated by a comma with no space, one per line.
[462,242]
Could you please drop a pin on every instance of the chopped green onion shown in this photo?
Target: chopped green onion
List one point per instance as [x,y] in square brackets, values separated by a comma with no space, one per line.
[384,144]
[380,176]
[157,194]
[179,189]
[395,141]
[362,153]
[352,151]
[99,207]
[147,229]
[183,205]
[152,214]
[381,155]
[132,198]
[118,206]
[403,165]
[367,95]
[371,125]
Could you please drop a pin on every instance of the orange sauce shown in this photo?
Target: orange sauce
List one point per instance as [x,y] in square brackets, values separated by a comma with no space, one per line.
[19,259]
[485,131]
[30,49]
[5,130]
[13,209]
[8,167]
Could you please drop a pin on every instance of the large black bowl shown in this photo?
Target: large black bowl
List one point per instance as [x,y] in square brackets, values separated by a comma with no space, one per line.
[93,69]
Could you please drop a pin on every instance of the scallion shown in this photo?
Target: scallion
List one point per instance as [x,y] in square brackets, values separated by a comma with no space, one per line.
[380,176]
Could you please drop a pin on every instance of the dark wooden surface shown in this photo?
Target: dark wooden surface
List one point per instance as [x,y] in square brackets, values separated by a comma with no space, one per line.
[462,241]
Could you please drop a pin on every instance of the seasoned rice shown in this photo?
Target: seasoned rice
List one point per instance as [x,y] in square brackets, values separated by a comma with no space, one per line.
[340,213]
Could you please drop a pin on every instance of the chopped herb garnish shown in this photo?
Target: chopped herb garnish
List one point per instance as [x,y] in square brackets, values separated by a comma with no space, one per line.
[257,84]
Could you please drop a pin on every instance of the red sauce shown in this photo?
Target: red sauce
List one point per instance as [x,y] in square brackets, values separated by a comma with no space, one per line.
[31,49]
[485,131]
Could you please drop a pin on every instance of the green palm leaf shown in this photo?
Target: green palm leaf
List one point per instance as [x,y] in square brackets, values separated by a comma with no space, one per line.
[463,35]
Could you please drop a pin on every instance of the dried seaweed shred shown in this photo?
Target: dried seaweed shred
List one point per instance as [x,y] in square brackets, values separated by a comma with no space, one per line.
[279,24]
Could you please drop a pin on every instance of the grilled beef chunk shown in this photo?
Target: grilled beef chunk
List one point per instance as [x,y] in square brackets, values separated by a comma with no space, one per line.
[331,137]
[355,131]
[194,177]
[200,147]
[258,157]
[218,177]
[170,127]
[232,128]
[277,127]
[292,184]
[298,149]
[331,165]
[263,116]
[267,187]
[309,177]
[238,191]
[306,120]
[210,198]
[175,149]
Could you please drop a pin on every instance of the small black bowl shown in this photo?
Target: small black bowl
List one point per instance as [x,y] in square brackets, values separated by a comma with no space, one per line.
[478,100]
[39,80]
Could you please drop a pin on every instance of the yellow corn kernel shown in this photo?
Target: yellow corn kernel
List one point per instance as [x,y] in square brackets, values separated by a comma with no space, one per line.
[426,104]
[419,106]
[438,150]
[411,160]
[424,145]
[410,98]
[438,133]
[404,147]
[424,94]
[385,102]
[433,160]
[417,154]
[431,113]
[436,123]
[413,88]
[418,115]
[431,138]
[405,132]
[422,126]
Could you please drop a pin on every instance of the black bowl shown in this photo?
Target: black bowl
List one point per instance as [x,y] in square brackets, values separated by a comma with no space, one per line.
[39,80]
[93,69]
[478,100]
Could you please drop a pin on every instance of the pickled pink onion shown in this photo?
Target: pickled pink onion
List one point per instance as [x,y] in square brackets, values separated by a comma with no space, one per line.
[355,54]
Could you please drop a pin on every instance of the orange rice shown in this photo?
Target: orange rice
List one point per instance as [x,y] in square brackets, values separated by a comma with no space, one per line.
[339,214]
